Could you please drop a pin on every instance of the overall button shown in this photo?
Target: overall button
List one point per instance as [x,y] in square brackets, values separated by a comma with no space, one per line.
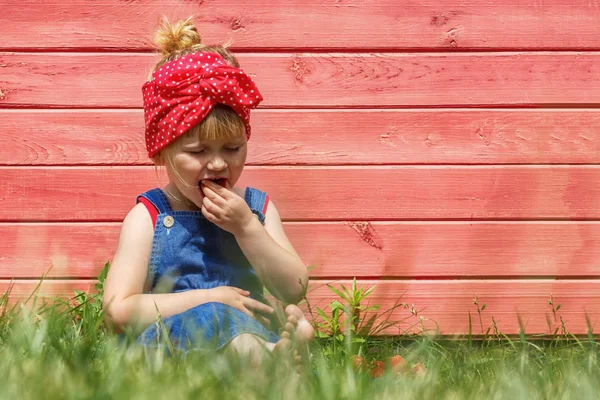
[168,221]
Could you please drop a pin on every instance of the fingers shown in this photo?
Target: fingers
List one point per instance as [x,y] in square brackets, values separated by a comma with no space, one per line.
[214,196]
[210,206]
[258,306]
[211,211]
[217,189]
[209,216]
[262,320]
[241,291]
[247,312]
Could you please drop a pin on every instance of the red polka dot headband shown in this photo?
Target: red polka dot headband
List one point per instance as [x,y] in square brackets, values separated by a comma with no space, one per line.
[183,92]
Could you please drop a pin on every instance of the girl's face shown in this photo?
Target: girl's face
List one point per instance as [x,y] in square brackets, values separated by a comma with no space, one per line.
[221,159]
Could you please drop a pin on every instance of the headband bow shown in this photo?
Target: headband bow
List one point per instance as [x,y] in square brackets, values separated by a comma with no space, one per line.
[183,92]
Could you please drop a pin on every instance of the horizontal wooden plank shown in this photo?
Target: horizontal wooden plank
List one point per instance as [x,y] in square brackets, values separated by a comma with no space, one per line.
[41,291]
[326,137]
[319,80]
[381,24]
[104,194]
[343,249]
[444,305]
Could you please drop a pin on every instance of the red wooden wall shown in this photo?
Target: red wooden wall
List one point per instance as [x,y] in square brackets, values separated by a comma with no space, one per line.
[436,149]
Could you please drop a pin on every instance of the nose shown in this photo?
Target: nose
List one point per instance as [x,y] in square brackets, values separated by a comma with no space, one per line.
[217,163]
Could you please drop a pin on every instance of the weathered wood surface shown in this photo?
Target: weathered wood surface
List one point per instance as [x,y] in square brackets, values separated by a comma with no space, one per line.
[337,80]
[375,25]
[320,137]
[444,305]
[420,250]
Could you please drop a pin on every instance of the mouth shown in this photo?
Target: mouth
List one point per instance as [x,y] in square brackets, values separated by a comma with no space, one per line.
[219,181]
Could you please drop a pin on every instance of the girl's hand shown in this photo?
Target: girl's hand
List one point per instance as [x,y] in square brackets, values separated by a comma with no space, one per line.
[225,208]
[238,299]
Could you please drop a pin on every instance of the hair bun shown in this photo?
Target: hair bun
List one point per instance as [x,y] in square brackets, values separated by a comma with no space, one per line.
[174,37]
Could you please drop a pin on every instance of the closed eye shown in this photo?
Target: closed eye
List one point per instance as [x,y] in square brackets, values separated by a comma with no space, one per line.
[229,149]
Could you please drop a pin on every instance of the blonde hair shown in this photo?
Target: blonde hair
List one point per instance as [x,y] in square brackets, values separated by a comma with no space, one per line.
[177,39]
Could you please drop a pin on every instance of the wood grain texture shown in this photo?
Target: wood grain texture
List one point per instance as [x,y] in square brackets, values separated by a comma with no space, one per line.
[320,137]
[444,305]
[319,80]
[96,194]
[388,139]
[432,250]
[377,25]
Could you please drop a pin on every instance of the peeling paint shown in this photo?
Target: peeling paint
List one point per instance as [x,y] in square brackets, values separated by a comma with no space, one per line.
[451,36]
[452,31]
[299,68]
[236,24]
[439,20]
[367,233]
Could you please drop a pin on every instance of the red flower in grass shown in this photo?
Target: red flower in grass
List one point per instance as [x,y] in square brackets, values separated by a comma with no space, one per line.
[359,363]
[378,369]
[398,365]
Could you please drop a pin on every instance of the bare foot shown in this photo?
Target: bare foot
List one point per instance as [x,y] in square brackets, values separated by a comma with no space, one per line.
[284,344]
[282,350]
[301,333]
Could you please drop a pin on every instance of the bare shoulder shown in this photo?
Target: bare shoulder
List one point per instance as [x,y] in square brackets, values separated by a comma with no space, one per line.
[129,268]
[274,227]
[138,224]
[137,232]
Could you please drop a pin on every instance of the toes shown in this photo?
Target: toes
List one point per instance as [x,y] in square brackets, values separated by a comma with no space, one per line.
[293,319]
[305,331]
[293,309]
[283,345]
[285,335]
[289,327]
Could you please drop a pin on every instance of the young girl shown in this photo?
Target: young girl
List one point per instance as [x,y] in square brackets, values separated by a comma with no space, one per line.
[202,246]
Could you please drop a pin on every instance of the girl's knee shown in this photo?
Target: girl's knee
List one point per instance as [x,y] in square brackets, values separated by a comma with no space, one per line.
[248,346]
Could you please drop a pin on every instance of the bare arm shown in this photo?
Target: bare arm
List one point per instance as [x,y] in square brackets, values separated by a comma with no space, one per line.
[124,303]
[274,258]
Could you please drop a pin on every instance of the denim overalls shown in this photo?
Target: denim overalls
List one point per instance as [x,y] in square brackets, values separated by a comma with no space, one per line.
[190,252]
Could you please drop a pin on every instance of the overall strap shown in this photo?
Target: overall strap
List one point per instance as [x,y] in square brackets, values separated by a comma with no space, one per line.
[156,203]
[258,202]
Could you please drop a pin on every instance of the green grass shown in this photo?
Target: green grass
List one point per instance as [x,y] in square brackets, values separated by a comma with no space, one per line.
[64,351]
